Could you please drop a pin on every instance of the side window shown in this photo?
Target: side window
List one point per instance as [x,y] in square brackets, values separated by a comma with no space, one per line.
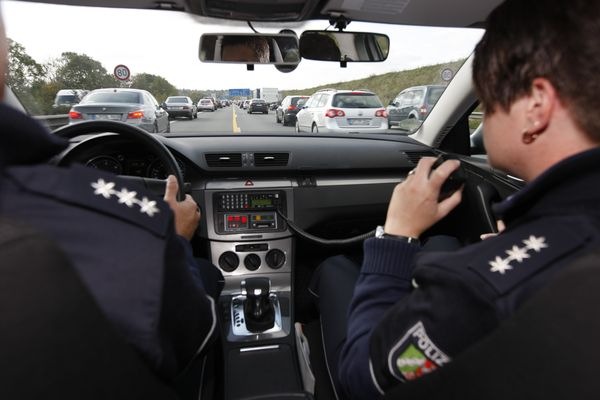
[152,101]
[405,99]
[418,97]
[323,100]
[313,101]
[476,129]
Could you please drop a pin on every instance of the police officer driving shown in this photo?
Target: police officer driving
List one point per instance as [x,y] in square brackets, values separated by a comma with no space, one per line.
[130,248]
[535,71]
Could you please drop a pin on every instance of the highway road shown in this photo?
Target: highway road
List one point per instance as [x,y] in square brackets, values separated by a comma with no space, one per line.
[230,119]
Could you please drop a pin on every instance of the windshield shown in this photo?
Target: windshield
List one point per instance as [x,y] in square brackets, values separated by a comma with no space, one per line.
[43,64]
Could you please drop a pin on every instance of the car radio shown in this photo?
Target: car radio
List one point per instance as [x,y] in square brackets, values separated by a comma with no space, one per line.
[248,211]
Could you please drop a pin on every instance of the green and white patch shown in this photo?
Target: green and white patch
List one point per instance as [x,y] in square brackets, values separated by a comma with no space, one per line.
[415,355]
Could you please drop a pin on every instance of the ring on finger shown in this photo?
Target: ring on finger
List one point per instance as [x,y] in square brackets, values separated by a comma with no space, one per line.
[411,172]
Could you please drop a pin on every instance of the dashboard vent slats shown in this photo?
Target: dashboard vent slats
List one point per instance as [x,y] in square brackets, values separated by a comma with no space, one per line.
[224,159]
[271,159]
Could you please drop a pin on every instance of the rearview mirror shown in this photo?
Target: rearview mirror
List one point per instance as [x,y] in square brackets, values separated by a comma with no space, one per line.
[250,48]
[344,46]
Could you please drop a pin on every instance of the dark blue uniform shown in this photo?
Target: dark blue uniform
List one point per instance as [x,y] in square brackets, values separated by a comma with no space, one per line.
[413,312]
[122,243]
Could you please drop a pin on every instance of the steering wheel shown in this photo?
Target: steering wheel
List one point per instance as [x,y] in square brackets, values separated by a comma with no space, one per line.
[134,134]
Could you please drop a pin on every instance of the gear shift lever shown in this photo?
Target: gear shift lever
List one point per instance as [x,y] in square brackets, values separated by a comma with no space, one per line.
[258,308]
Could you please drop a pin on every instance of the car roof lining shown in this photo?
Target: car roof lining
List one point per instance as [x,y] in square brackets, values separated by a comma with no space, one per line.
[456,13]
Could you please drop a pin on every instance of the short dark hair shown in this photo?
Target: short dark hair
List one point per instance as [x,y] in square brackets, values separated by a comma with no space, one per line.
[553,39]
[258,44]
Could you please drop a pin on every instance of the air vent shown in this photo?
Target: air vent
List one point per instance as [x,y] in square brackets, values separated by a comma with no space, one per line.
[271,159]
[415,156]
[224,159]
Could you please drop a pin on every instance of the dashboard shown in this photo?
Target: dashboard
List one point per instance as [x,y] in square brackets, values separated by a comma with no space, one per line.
[247,185]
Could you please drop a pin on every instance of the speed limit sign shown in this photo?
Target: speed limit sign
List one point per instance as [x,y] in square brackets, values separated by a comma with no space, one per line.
[122,72]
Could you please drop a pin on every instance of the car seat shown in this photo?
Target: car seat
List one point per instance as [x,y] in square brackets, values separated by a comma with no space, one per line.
[55,342]
[547,350]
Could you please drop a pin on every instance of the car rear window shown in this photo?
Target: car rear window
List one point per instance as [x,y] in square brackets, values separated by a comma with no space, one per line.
[434,95]
[356,100]
[177,100]
[114,97]
[205,101]
[65,98]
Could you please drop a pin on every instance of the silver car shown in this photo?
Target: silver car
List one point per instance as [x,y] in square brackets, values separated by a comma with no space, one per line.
[180,106]
[133,106]
[206,105]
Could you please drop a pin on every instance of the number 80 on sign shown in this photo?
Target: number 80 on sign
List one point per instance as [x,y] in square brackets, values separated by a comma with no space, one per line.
[122,72]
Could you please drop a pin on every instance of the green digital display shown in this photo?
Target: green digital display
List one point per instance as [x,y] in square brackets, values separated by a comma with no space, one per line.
[261,202]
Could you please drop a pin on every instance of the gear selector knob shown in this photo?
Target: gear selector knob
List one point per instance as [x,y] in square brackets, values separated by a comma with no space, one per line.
[258,307]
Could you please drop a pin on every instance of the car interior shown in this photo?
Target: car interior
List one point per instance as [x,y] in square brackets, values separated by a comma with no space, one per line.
[274,207]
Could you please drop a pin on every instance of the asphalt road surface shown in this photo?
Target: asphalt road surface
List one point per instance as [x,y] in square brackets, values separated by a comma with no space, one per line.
[230,119]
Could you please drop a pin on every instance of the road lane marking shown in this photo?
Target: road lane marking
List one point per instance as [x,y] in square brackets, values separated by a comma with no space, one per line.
[234,125]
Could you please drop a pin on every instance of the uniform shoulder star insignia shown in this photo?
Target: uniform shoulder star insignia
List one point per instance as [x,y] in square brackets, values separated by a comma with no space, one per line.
[124,196]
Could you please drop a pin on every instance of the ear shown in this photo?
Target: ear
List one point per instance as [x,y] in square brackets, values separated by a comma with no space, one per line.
[542,102]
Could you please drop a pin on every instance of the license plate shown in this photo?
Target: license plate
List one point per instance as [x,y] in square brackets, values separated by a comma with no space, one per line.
[112,117]
[359,121]
[175,108]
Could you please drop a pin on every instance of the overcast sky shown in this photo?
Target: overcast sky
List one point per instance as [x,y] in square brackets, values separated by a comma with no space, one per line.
[169,45]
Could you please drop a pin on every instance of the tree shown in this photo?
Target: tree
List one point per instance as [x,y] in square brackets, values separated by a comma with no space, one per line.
[23,71]
[157,85]
[79,71]
[194,94]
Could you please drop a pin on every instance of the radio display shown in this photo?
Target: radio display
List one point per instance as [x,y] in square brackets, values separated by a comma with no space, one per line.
[259,202]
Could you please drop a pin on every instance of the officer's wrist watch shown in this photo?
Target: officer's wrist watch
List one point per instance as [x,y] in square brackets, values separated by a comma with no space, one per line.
[380,234]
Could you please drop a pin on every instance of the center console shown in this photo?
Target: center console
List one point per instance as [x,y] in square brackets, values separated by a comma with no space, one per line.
[251,244]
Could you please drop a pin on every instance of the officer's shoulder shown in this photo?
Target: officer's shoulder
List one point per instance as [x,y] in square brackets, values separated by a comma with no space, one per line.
[99,191]
[514,256]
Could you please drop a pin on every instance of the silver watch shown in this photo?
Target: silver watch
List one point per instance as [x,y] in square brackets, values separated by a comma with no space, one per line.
[380,234]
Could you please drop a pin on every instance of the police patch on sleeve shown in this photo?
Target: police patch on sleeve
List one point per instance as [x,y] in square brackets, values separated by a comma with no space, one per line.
[415,355]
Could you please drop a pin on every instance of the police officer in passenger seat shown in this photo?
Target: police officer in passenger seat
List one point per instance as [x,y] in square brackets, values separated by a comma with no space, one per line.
[536,73]
[130,249]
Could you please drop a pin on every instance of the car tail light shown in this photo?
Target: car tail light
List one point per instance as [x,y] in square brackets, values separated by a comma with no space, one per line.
[332,113]
[381,113]
[135,114]
[186,107]
[423,110]
[75,115]
[291,107]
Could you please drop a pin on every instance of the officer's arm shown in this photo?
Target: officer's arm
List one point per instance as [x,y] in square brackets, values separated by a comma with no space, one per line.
[384,279]
[447,312]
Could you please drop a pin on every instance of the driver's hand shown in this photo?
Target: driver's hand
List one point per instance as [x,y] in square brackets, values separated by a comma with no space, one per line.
[187,212]
[414,205]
